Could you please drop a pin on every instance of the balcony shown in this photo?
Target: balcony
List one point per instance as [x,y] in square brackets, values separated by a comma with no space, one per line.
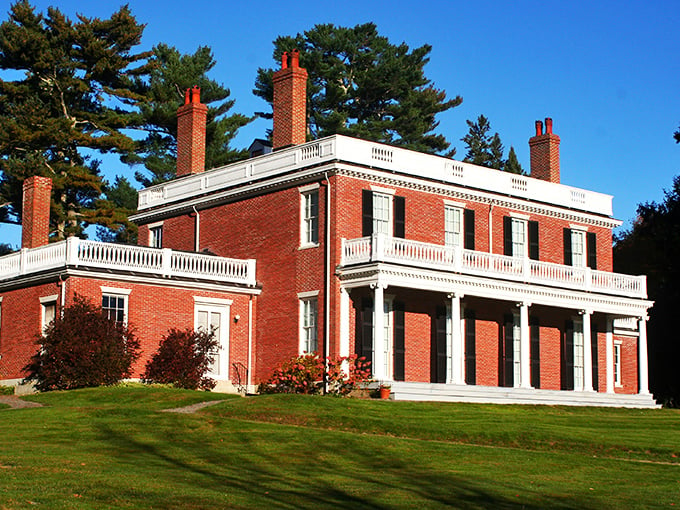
[380,248]
[167,263]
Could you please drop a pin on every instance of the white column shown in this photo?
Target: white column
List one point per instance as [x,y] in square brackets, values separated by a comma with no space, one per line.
[344,323]
[457,346]
[642,356]
[379,332]
[609,355]
[524,346]
[587,352]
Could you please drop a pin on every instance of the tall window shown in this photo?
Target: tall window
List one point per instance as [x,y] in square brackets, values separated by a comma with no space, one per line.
[578,248]
[381,213]
[453,226]
[516,346]
[578,355]
[308,324]
[156,236]
[309,214]
[617,364]
[520,237]
[519,242]
[48,307]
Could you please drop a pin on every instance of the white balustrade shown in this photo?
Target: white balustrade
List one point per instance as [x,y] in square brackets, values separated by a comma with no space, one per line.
[381,248]
[141,259]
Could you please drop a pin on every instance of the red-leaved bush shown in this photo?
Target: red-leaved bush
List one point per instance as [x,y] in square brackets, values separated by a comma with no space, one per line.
[82,348]
[306,374]
[183,359]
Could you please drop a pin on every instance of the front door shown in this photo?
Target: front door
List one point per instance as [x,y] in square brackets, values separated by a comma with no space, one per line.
[216,318]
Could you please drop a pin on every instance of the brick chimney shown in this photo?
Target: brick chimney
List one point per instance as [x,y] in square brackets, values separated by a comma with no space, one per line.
[545,153]
[191,120]
[290,102]
[35,215]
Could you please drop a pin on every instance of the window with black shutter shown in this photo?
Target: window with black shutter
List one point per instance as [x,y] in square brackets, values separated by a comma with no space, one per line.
[366,213]
[399,347]
[506,351]
[591,246]
[535,351]
[438,374]
[364,342]
[469,229]
[567,247]
[594,351]
[567,361]
[507,236]
[399,228]
[533,239]
[470,347]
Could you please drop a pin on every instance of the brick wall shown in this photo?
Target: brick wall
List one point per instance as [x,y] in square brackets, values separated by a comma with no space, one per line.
[191,122]
[290,103]
[35,227]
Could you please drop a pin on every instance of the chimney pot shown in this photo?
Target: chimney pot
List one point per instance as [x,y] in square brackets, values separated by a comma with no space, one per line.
[187,96]
[284,60]
[539,128]
[196,94]
[295,59]
[548,126]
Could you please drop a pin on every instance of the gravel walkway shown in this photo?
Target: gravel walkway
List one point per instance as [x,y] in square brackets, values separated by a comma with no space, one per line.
[17,403]
[192,408]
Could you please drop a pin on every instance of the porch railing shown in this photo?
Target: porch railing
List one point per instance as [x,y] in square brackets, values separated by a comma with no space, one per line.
[381,248]
[164,262]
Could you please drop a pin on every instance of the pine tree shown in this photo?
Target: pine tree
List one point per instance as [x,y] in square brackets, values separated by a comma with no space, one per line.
[478,142]
[80,81]
[171,74]
[512,163]
[361,85]
[118,202]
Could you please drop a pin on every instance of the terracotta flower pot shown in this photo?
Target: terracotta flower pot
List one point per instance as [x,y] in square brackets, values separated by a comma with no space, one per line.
[384,393]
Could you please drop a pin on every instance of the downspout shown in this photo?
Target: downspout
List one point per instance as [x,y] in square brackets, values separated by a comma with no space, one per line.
[197,230]
[62,304]
[250,343]
[491,227]
[327,273]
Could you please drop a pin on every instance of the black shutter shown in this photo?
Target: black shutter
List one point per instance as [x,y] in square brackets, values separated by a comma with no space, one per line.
[366,212]
[535,351]
[470,348]
[507,362]
[469,243]
[533,240]
[592,250]
[568,357]
[439,372]
[507,235]
[366,329]
[399,348]
[567,247]
[399,229]
[593,350]
[314,197]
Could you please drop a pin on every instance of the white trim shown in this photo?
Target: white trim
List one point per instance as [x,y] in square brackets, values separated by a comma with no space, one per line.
[574,226]
[302,337]
[47,299]
[308,294]
[519,216]
[155,224]
[201,300]
[1,299]
[309,187]
[304,219]
[617,381]
[385,191]
[453,203]
[115,290]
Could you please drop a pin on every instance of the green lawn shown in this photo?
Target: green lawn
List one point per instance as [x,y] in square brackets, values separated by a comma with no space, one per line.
[113,448]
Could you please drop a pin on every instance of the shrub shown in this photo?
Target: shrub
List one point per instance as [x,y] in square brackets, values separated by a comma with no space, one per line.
[183,359]
[82,348]
[306,374]
[6,390]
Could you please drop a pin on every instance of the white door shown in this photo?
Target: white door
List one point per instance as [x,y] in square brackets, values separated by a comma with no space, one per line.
[216,318]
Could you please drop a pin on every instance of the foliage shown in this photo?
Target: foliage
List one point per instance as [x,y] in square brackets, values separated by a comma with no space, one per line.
[171,73]
[82,348]
[183,359]
[487,150]
[6,390]
[676,135]
[306,374]
[120,200]
[79,82]
[652,247]
[6,249]
[361,85]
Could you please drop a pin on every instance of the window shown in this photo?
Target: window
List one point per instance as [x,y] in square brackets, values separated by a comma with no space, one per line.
[308,321]
[578,355]
[156,235]
[580,248]
[48,305]
[383,213]
[309,214]
[520,237]
[516,346]
[453,227]
[617,363]
[115,303]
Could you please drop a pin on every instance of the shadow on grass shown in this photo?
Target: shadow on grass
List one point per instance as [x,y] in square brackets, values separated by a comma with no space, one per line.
[244,464]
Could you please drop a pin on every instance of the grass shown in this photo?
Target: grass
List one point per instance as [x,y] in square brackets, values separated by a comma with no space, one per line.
[112,448]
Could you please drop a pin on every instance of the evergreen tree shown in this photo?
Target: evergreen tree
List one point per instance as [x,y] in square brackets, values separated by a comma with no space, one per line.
[676,135]
[79,82]
[512,163]
[496,150]
[478,142]
[171,73]
[119,201]
[361,85]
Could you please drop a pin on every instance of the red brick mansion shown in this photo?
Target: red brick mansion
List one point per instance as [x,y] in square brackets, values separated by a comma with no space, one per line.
[458,282]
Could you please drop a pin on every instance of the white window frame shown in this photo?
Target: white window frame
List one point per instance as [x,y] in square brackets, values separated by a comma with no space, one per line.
[579,352]
[222,307]
[116,292]
[579,252]
[382,213]
[309,224]
[45,303]
[388,334]
[516,350]
[520,245]
[617,363]
[156,240]
[309,322]
[453,225]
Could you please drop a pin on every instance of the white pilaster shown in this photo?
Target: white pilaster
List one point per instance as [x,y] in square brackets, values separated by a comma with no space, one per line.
[379,332]
[587,352]
[524,346]
[609,355]
[457,347]
[344,323]
[642,356]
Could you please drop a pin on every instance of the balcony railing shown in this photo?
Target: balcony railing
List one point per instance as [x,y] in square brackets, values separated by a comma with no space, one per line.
[381,248]
[75,252]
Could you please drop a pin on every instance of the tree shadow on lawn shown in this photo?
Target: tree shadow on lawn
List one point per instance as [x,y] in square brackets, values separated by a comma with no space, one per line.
[293,467]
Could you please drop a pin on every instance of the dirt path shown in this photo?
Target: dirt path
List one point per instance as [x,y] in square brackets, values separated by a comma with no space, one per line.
[17,403]
[192,408]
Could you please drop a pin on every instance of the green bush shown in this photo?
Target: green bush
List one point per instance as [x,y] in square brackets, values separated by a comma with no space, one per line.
[6,390]
[82,348]
[183,359]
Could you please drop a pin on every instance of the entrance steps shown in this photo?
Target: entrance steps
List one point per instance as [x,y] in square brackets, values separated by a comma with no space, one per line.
[494,395]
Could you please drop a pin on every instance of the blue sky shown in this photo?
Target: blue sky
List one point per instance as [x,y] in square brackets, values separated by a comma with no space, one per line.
[607,72]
